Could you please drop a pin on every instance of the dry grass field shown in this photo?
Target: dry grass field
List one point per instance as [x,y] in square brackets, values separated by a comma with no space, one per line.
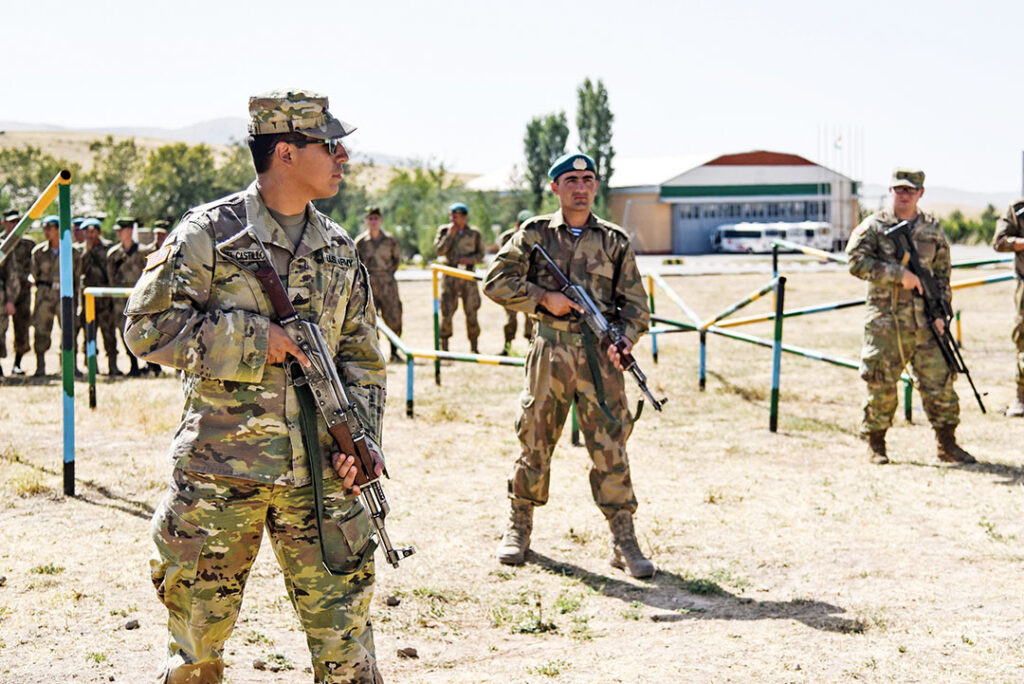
[782,557]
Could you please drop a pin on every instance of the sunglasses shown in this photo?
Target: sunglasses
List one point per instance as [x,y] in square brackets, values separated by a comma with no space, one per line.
[332,145]
[904,190]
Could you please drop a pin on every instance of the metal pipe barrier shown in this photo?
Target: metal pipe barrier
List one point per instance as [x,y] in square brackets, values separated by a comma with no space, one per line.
[436,269]
[91,293]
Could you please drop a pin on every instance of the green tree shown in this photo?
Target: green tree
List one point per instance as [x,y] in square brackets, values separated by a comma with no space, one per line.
[116,172]
[26,171]
[416,201]
[594,126]
[236,171]
[543,143]
[176,178]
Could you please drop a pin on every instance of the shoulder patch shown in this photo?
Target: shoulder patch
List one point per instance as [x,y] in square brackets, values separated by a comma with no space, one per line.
[158,257]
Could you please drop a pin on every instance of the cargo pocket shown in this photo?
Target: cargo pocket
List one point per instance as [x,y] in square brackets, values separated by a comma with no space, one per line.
[881,351]
[348,536]
[179,545]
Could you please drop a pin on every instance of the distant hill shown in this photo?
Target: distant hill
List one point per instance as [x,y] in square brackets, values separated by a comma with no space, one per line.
[943,201]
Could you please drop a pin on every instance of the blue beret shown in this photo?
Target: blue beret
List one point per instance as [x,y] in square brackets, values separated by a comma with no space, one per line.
[459,206]
[571,161]
[90,222]
[77,220]
[52,218]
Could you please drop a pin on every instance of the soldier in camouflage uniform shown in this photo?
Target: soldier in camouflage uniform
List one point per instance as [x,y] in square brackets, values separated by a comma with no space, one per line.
[596,255]
[240,465]
[125,262]
[45,272]
[462,247]
[10,288]
[1009,237]
[510,314]
[380,254]
[94,274]
[896,332]
[21,258]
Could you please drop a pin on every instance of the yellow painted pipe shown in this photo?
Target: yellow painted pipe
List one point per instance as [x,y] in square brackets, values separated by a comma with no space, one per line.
[454,272]
[49,194]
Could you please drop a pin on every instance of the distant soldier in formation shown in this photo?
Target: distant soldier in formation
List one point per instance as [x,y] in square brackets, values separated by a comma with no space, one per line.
[21,262]
[1009,237]
[77,232]
[45,271]
[125,262]
[566,363]
[462,247]
[510,314]
[897,332]
[94,274]
[160,227]
[10,288]
[380,254]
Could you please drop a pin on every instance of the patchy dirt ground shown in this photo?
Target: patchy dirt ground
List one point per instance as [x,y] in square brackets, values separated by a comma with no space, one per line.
[783,557]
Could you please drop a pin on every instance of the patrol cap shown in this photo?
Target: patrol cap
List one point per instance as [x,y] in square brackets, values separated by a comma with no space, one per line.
[295,111]
[373,209]
[90,223]
[571,161]
[52,218]
[161,223]
[907,178]
[127,222]
[524,215]
[458,206]
[12,215]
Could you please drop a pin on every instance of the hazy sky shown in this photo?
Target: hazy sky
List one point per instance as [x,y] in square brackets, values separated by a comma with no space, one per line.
[933,84]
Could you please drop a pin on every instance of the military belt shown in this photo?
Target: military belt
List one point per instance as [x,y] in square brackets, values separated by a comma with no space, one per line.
[559,336]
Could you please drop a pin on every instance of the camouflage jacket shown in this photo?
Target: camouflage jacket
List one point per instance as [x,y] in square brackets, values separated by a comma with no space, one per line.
[21,256]
[455,246]
[1010,231]
[381,255]
[125,266]
[94,265]
[873,258]
[46,269]
[506,236]
[10,282]
[195,310]
[600,260]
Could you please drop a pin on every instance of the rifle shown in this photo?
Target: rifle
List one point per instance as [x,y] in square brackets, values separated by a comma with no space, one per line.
[935,305]
[331,400]
[596,321]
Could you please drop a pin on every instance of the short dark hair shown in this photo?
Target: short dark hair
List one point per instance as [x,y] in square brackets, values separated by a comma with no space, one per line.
[262,146]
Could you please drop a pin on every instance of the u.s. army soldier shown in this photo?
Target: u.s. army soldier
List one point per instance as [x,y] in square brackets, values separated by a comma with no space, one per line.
[240,464]
[1009,237]
[896,331]
[564,364]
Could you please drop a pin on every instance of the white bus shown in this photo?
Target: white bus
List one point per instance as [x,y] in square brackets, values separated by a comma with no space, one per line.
[758,237]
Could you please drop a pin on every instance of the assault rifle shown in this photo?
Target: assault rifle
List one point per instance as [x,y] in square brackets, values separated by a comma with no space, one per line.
[596,321]
[332,402]
[935,305]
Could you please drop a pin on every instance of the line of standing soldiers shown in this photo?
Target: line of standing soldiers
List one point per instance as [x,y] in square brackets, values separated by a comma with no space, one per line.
[95,263]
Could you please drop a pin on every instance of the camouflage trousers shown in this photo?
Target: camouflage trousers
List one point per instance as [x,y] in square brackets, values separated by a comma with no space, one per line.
[556,374]
[1018,332]
[452,290]
[45,309]
[882,362]
[22,319]
[385,297]
[511,324]
[207,532]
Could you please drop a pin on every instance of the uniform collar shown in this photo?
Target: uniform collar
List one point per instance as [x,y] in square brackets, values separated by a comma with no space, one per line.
[557,219]
[316,236]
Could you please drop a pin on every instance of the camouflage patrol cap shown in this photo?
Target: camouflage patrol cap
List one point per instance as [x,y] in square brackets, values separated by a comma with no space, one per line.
[12,215]
[127,222]
[161,225]
[299,111]
[907,178]
[524,215]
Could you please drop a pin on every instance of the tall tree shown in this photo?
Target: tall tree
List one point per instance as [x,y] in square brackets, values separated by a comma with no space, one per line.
[543,144]
[26,171]
[116,172]
[176,178]
[594,125]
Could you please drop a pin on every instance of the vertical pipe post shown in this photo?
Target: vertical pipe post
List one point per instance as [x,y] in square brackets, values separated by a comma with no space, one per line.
[908,397]
[959,331]
[67,327]
[408,384]
[437,328]
[780,297]
[90,345]
[575,427]
[775,267]
[702,377]
[650,303]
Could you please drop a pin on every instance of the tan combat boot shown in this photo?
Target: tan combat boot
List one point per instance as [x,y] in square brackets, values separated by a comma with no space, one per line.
[516,540]
[1016,409]
[876,447]
[948,450]
[626,554]
[444,344]
[40,365]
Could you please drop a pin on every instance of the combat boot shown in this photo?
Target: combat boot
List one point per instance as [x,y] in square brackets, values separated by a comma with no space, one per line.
[17,366]
[876,447]
[133,370]
[1016,409]
[112,366]
[473,348]
[40,365]
[516,540]
[948,450]
[444,344]
[626,554]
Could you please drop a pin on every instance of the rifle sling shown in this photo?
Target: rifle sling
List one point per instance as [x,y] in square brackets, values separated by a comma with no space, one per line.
[590,347]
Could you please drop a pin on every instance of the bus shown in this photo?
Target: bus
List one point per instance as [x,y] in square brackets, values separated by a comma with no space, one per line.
[756,238]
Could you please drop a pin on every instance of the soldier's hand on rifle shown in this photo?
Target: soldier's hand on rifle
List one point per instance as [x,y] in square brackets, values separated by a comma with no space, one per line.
[347,469]
[279,346]
[614,354]
[558,304]
[940,325]
[911,282]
